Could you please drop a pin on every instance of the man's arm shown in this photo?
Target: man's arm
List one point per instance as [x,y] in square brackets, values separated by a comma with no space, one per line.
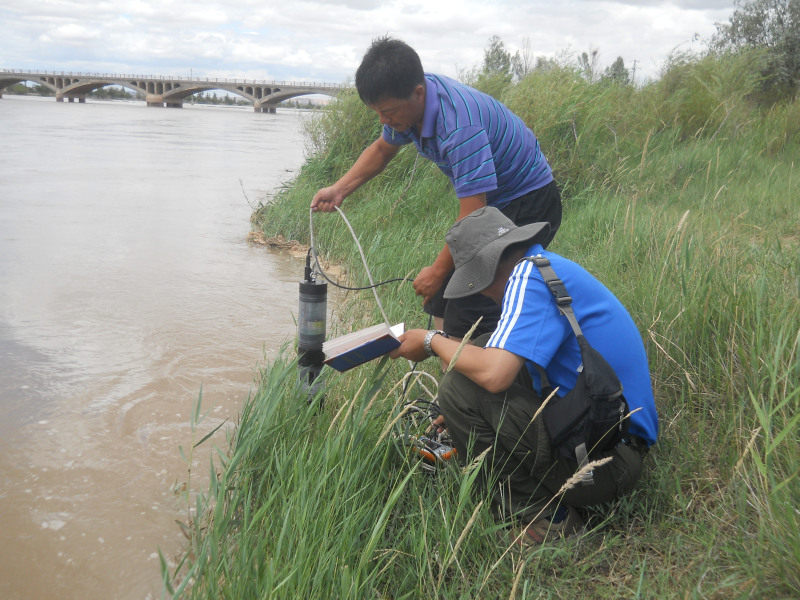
[372,161]
[430,278]
[494,369]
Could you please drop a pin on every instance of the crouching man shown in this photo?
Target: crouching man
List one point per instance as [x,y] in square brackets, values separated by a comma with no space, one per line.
[489,399]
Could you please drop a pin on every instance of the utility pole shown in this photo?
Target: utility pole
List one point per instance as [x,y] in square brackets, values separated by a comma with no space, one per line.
[633,78]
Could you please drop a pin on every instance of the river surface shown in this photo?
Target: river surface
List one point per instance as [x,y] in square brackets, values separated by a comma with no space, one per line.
[125,283]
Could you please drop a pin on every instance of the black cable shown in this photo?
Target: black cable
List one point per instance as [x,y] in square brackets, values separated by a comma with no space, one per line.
[344,287]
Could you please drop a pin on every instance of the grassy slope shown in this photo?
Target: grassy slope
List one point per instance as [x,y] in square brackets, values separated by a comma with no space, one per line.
[683,200]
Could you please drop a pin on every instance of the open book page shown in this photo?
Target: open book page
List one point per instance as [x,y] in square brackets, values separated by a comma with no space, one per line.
[356,348]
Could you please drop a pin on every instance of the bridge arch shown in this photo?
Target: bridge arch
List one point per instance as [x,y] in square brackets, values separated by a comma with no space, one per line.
[278,95]
[183,92]
[81,88]
[6,80]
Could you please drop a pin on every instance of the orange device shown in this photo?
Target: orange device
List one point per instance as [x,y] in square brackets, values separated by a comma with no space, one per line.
[432,451]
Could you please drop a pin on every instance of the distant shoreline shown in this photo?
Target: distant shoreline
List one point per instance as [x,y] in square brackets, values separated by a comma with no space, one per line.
[7,96]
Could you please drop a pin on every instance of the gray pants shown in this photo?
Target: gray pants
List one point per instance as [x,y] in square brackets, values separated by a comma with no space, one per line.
[522,470]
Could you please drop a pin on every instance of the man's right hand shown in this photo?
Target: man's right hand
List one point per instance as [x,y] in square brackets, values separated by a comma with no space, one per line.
[372,161]
[327,200]
[439,424]
[428,282]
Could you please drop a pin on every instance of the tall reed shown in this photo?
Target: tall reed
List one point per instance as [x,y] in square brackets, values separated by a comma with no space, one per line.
[682,197]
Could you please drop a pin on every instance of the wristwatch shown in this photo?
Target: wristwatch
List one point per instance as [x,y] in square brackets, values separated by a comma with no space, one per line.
[428,337]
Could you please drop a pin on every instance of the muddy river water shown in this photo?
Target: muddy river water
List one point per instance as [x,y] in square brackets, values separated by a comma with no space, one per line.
[125,283]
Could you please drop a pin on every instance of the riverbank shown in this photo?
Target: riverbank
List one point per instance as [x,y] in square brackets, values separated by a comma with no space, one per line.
[681,197]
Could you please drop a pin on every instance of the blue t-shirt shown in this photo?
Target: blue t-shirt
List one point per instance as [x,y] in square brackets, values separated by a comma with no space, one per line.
[477,142]
[532,327]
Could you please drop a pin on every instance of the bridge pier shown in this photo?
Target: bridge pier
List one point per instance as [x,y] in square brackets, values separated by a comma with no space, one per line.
[82,99]
[154,99]
[71,99]
[174,104]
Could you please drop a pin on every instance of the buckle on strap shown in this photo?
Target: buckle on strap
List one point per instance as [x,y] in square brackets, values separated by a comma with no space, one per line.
[559,291]
[541,261]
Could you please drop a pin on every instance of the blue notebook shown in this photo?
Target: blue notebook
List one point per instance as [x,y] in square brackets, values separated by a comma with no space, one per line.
[348,351]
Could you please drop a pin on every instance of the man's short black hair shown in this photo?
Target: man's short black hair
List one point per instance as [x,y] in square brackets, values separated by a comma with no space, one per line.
[390,69]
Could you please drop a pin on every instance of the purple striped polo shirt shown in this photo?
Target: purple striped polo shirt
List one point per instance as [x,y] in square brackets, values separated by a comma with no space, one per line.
[477,142]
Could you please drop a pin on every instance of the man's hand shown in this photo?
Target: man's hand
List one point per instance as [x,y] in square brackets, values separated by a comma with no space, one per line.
[372,161]
[411,346]
[326,200]
[440,424]
[428,283]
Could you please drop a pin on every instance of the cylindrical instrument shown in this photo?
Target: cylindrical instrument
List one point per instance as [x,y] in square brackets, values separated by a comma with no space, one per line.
[311,332]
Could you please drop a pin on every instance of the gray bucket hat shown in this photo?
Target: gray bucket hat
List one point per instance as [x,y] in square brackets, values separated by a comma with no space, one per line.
[476,243]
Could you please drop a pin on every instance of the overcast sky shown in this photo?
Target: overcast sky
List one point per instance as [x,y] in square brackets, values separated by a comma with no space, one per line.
[323,40]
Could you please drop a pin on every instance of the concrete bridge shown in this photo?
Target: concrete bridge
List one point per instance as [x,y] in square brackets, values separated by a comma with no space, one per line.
[161,91]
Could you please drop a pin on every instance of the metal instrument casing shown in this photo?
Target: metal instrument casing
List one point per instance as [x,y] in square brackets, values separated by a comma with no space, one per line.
[311,331]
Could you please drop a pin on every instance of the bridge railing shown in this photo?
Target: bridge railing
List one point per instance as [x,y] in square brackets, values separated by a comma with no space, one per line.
[316,84]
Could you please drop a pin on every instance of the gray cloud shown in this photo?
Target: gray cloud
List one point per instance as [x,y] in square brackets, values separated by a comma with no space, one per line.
[355,4]
[325,39]
[684,4]
[411,9]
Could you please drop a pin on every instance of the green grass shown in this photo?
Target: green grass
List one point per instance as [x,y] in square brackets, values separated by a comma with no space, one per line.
[682,197]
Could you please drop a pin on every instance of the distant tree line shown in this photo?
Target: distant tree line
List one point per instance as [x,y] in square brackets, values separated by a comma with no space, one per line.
[500,68]
[22,89]
[212,98]
[300,104]
[111,93]
[768,29]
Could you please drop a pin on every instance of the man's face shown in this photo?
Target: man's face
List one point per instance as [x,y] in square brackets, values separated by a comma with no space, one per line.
[497,289]
[401,115]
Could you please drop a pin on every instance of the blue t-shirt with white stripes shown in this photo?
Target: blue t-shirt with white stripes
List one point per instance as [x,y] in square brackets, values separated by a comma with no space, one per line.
[477,142]
[532,327]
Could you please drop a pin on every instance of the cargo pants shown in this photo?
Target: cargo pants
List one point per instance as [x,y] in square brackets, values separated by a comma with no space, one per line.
[522,471]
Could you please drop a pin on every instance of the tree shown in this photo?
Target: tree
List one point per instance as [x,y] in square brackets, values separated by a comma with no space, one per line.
[617,73]
[522,62]
[770,24]
[18,89]
[544,64]
[496,59]
[589,64]
[42,91]
[110,92]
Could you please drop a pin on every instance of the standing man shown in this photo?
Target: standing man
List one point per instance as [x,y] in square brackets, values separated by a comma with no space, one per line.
[489,154]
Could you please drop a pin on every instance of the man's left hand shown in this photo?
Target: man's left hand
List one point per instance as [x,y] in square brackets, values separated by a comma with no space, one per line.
[411,346]
[428,283]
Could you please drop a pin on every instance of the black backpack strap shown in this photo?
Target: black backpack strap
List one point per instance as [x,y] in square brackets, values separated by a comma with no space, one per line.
[564,303]
[563,299]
